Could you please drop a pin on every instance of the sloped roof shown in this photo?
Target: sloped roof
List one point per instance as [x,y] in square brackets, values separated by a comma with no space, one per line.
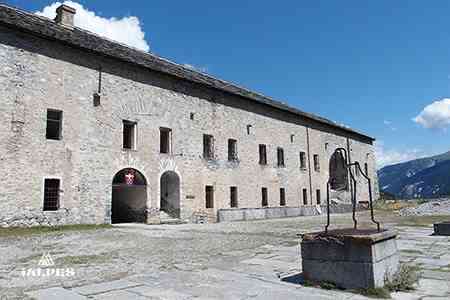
[80,38]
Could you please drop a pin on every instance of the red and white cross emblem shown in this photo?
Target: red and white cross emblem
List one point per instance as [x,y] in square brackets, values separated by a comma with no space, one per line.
[129,178]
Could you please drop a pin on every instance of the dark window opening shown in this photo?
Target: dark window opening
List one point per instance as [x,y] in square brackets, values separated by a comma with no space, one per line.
[316,162]
[282,197]
[249,129]
[292,138]
[264,199]
[191,116]
[305,197]
[233,197]
[232,150]
[165,140]
[366,169]
[54,125]
[208,146]
[318,196]
[280,157]
[209,191]
[129,135]
[51,194]
[303,160]
[326,146]
[262,155]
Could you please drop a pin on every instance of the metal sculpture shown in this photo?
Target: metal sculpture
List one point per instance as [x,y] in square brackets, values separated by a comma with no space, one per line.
[338,181]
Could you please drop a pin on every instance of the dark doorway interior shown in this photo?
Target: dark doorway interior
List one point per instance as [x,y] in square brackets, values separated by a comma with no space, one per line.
[170,194]
[129,197]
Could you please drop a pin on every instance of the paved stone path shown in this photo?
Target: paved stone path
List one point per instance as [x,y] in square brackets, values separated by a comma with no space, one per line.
[254,260]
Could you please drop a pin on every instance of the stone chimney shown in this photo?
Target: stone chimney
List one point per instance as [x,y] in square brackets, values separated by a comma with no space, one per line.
[65,15]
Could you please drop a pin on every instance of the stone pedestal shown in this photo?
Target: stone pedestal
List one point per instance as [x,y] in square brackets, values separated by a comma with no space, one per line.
[442,228]
[350,259]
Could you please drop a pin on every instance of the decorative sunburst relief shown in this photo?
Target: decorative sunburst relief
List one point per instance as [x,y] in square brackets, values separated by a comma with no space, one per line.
[168,164]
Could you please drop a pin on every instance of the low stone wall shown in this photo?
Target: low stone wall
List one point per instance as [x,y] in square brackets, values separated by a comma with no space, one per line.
[29,217]
[247,214]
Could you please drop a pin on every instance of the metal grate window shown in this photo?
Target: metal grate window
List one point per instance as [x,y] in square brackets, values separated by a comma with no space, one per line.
[51,194]
[318,198]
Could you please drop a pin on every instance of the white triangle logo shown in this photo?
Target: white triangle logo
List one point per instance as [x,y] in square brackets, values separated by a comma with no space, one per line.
[46,260]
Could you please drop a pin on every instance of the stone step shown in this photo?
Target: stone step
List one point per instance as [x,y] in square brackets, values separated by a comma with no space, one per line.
[173,221]
[168,219]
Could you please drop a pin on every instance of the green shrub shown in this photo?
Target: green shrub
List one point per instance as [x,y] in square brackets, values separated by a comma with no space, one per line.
[404,280]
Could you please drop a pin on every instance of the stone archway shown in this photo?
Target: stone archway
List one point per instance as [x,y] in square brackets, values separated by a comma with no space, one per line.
[170,194]
[129,197]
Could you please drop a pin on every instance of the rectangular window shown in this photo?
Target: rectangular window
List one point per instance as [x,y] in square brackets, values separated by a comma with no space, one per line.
[282,197]
[129,135]
[165,140]
[264,199]
[280,157]
[357,170]
[305,197]
[292,138]
[233,197]
[318,196]
[366,169]
[232,150]
[316,163]
[54,124]
[51,194]
[303,160]
[208,146]
[209,191]
[262,155]
[249,129]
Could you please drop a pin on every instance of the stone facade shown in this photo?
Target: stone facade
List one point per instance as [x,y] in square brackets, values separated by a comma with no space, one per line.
[37,74]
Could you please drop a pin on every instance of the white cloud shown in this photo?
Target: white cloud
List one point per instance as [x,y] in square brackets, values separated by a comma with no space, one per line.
[435,115]
[386,157]
[390,125]
[126,30]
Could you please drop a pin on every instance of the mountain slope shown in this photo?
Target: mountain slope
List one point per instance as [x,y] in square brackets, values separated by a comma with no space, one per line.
[421,178]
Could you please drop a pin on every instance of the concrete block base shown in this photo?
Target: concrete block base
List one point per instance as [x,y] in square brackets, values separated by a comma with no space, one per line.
[442,228]
[350,259]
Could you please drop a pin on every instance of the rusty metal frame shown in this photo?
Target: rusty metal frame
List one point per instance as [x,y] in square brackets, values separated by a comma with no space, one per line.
[353,193]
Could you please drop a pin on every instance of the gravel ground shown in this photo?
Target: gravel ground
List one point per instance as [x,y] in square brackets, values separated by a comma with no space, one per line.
[239,260]
[427,209]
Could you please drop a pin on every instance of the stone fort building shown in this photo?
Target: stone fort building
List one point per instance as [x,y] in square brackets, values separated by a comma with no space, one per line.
[93,131]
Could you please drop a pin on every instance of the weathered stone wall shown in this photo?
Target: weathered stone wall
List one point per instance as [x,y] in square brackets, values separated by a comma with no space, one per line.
[37,74]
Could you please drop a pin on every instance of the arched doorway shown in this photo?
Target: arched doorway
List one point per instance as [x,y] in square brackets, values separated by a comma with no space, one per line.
[129,197]
[170,194]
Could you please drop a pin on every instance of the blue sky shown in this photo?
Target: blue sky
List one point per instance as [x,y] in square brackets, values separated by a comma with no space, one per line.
[371,65]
